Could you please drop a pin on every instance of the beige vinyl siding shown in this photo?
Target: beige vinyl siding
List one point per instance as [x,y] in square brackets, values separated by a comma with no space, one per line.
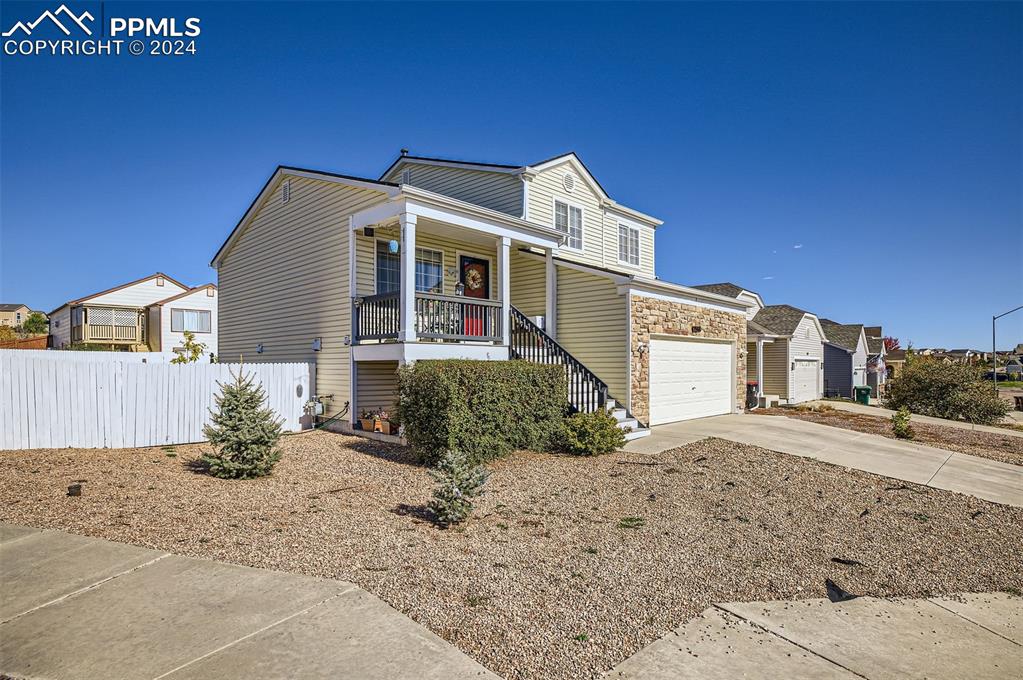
[377,386]
[593,326]
[528,284]
[807,343]
[365,250]
[776,368]
[495,190]
[751,361]
[600,227]
[285,282]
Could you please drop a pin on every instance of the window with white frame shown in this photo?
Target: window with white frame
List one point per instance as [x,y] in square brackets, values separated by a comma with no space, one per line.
[628,244]
[429,269]
[194,320]
[568,219]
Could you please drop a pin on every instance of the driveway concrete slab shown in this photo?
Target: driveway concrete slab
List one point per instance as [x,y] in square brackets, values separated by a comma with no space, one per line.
[982,477]
[42,566]
[1000,613]
[351,636]
[154,620]
[883,638]
[719,646]
[11,532]
[906,461]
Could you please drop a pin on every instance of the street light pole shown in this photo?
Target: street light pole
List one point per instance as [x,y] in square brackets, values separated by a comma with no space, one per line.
[994,347]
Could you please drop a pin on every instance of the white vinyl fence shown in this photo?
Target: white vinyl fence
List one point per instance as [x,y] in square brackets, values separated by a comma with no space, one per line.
[48,402]
[102,357]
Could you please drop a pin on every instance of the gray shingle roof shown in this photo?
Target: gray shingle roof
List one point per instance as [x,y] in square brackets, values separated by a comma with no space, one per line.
[779,319]
[726,289]
[845,335]
[10,307]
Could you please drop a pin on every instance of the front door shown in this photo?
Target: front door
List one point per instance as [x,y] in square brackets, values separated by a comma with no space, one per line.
[474,274]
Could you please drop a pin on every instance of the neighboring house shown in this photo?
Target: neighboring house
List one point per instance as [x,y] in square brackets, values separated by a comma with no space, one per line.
[895,362]
[877,373]
[131,316]
[845,358]
[194,310]
[1014,368]
[785,348]
[440,259]
[13,314]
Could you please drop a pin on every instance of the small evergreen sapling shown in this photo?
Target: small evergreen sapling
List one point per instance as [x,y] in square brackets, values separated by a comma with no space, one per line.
[244,432]
[900,424]
[458,482]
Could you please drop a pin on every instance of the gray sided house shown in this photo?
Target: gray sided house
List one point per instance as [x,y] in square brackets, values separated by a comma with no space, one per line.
[845,358]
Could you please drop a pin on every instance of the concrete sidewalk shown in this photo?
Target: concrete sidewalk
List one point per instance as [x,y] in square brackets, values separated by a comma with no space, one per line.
[77,607]
[938,468]
[968,636]
[879,412]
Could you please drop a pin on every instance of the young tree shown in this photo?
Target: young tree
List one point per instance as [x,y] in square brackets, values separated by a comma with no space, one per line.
[193,350]
[244,432]
[458,482]
[35,324]
[891,343]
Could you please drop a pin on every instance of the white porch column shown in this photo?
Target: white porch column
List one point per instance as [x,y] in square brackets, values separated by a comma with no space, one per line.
[551,307]
[760,367]
[504,287]
[407,290]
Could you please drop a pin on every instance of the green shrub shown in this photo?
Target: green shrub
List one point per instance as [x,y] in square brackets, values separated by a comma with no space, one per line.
[900,424]
[484,409]
[458,482]
[244,432]
[956,392]
[590,434]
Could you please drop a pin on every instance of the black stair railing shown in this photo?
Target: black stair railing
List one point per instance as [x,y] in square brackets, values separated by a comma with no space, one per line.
[586,392]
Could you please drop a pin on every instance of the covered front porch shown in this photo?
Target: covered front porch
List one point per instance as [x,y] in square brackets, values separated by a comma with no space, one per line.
[435,281]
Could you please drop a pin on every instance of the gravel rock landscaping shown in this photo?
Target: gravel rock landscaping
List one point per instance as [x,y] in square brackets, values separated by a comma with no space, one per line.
[569,566]
[1003,448]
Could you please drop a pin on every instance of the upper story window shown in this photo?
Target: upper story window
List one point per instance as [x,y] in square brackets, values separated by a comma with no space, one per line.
[194,320]
[568,219]
[429,269]
[628,244]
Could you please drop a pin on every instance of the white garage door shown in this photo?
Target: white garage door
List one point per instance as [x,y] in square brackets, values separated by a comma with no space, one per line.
[804,381]
[689,379]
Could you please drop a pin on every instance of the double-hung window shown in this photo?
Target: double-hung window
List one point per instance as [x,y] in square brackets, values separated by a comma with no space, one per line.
[429,270]
[628,244]
[194,320]
[568,219]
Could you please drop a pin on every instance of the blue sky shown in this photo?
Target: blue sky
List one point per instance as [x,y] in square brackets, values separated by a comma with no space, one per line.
[861,161]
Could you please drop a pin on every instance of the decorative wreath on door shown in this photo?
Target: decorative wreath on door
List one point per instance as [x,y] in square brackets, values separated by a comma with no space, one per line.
[473,279]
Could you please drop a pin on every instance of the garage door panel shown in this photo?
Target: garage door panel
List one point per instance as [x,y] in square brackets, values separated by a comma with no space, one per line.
[804,380]
[689,379]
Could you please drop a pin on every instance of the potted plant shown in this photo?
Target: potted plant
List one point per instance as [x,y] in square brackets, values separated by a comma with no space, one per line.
[376,421]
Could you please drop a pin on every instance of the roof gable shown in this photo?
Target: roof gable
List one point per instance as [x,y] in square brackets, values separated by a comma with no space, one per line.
[784,319]
[846,336]
[278,176]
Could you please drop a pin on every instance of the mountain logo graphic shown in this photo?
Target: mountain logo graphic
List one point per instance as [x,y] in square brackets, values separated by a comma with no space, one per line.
[68,15]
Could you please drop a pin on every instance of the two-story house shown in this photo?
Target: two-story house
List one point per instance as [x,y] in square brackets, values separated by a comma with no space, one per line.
[150,314]
[440,258]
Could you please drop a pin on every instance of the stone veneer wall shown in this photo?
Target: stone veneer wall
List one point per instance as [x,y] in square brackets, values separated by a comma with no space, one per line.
[651,316]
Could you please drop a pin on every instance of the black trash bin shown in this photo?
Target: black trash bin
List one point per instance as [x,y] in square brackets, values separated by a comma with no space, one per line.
[752,401]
